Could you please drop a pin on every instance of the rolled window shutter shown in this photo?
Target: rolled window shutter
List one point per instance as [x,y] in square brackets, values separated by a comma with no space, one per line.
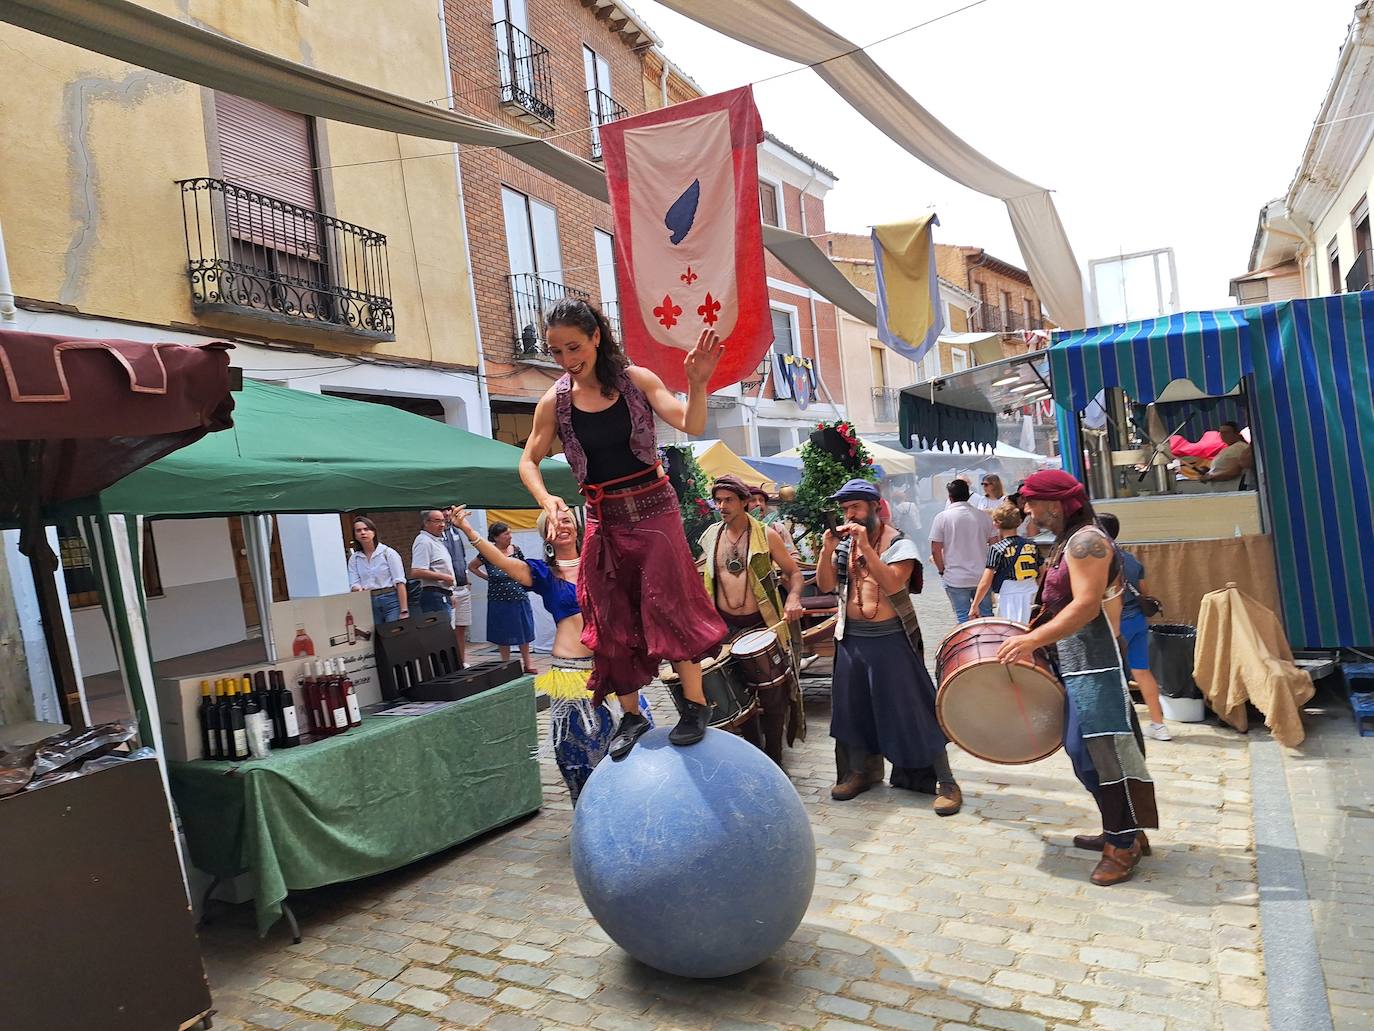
[268,151]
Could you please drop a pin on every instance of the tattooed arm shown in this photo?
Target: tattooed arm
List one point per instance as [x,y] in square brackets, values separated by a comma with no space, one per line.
[1090,561]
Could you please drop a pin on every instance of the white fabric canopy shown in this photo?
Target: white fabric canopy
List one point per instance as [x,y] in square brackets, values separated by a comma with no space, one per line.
[128,32]
[781,28]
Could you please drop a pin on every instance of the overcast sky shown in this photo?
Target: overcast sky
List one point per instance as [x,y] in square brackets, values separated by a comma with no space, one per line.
[1167,124]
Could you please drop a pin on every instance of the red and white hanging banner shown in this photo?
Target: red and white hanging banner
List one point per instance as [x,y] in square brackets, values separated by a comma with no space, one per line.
[684,186]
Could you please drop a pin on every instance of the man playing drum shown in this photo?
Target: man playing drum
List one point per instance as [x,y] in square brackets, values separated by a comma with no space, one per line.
[739,555]
[1101,732]
[882,699]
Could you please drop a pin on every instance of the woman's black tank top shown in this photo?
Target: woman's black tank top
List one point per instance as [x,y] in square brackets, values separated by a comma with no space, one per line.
[605,438]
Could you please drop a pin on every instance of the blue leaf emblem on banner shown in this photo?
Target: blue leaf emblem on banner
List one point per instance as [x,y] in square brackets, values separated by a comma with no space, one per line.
[683,213]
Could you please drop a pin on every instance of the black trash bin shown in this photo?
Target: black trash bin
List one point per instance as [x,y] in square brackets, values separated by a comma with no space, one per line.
[1171,659]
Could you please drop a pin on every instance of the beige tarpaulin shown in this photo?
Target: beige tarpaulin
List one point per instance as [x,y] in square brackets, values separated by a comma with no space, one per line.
[1243,656]
[128,32]
[1181,573]
[782,28]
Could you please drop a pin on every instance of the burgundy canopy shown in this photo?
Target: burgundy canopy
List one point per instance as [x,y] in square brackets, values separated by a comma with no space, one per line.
[76,414]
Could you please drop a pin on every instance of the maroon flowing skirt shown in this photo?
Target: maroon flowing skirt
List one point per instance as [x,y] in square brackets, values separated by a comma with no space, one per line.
[642,597]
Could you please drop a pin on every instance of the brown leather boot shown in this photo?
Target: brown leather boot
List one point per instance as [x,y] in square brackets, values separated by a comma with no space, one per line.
[1116,864]
[948,799]
[853,785]
[1094,842]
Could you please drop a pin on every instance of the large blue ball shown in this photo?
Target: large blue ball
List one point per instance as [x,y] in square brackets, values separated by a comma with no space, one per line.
[697,861]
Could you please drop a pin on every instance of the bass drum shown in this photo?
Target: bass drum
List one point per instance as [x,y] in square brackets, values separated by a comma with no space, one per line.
[1009,714]
[732,700]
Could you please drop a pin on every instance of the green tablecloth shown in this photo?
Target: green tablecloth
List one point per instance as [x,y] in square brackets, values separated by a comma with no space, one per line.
[394,790]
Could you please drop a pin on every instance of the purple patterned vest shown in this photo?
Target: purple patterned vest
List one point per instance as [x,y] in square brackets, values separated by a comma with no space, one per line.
[643,440]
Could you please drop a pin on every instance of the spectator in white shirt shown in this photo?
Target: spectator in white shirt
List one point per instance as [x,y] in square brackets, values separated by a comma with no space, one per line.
[1232,461]
[992,494]
[959,539]
[377,568]
[431,565]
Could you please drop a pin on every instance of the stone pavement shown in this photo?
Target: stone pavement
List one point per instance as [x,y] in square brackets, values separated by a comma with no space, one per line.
[1331,782]
[982,920]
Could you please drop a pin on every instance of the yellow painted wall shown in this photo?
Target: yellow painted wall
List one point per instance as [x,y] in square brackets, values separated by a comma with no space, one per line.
[92,146]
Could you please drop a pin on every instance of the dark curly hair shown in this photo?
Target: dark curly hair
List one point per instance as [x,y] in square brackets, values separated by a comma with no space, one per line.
[610,357]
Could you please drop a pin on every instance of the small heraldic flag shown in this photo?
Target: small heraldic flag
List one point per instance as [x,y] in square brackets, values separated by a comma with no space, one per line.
[684,188]
[910,316]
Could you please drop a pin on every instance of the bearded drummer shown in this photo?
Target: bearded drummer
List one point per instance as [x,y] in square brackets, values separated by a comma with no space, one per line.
[740,554]
[882,698]
[1101,731]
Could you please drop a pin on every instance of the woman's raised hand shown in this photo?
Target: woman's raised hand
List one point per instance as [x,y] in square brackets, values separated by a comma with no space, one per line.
[701,360]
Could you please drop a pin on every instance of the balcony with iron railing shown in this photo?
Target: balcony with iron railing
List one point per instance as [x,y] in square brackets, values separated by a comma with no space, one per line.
[1360,274]
[601,109]
[611,309]
[886,401]
[526,76]
[531,296]
[254,258]
[988,318]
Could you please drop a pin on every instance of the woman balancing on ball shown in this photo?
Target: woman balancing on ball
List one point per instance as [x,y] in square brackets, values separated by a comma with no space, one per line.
[641,594]
[580,732]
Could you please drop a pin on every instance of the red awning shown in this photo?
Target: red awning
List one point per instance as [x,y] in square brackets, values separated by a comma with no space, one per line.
[79,414]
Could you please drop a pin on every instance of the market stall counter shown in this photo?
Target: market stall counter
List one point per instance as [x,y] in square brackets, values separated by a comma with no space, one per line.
[394,790]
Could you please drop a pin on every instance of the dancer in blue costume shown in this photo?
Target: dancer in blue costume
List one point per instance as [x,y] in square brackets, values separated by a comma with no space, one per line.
[581,732]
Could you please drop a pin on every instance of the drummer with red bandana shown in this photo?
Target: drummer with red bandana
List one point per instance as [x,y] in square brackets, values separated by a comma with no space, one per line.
[1080,585]
[882,698]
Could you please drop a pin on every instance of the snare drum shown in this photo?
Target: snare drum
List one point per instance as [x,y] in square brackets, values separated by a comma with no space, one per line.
[760,660]
[732,700]
[1009,714]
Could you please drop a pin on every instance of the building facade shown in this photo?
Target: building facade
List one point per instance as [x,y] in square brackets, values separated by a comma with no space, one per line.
[1006,300]
[144,207]
[762,416]
[558,69]
[1316,239]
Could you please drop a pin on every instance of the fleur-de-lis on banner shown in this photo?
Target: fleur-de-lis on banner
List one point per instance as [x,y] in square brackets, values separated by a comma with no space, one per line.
[689,277]
[667,312]
[709,311]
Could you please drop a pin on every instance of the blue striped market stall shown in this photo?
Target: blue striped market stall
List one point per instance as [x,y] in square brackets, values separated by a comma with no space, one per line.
[1308,366]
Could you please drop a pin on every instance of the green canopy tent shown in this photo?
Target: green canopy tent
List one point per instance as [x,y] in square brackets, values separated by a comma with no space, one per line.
[290,451]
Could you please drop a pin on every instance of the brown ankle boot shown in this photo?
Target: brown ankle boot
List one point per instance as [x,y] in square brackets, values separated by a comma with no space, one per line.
[1094,842]
[1116,864]
[948,799]
[853,785]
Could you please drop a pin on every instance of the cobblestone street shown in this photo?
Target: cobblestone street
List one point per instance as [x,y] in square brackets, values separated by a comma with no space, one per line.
[983,920]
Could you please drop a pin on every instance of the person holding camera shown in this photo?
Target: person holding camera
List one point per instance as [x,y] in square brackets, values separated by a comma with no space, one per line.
[882,698]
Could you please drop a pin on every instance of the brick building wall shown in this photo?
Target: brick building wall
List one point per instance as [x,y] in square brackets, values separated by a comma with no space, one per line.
[563,27]
[988,278]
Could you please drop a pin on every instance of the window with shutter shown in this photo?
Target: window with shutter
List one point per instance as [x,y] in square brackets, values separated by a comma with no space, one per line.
[768,204]
[272,205]
[784,343]
[266,150]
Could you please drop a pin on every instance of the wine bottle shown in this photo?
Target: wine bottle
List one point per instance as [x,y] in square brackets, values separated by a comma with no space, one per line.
[286,710]
[325,701]
[238,731]
[338,707]
[350,696]
[255,721]
[226,746]
[209,730]
[311,700]
[350,629]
